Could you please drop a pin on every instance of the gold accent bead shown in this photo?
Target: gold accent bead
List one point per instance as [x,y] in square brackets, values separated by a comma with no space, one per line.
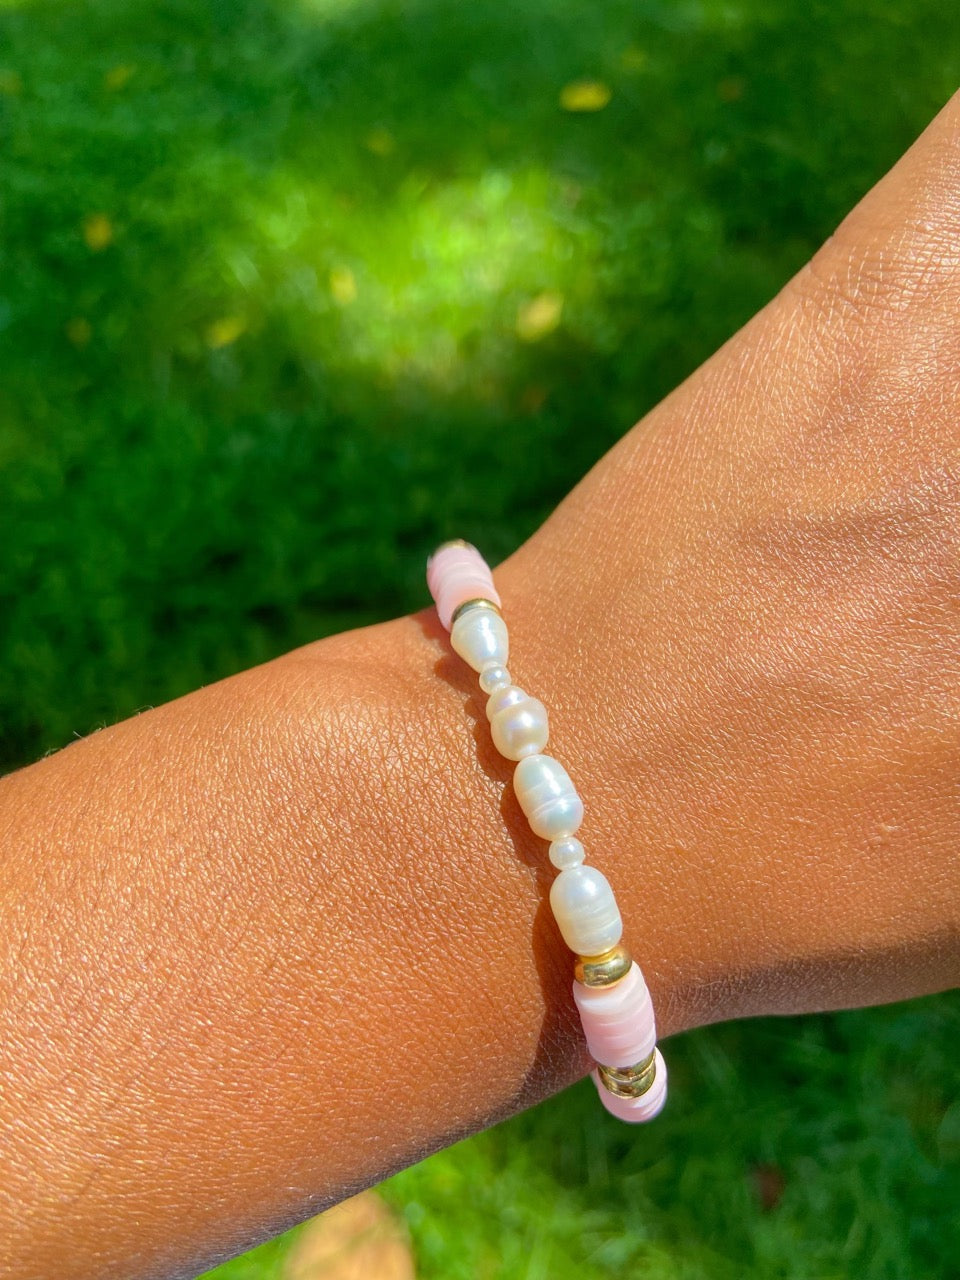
[629,1082]
[478,603]
[603,970]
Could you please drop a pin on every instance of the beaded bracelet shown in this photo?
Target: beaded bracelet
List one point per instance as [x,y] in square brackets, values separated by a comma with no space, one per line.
[609,990]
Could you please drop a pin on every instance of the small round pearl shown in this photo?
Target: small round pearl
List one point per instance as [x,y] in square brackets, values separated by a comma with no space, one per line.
[586,910]
[479,636]
[508,696]
[520,730]
[494,676]
[567,852]
[548,798]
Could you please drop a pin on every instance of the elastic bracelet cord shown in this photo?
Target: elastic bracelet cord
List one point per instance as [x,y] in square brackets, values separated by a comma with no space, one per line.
[609,990]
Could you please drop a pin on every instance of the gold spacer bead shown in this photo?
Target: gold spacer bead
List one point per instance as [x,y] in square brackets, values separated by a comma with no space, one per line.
[603,970]
[453,542]
[629,1082]
[478,603]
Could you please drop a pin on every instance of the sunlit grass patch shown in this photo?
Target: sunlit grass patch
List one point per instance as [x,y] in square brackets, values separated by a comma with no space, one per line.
[428,284]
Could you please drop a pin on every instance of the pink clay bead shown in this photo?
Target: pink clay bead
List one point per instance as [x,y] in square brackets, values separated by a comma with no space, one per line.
[618,1021]
[636,1110]
[456,574]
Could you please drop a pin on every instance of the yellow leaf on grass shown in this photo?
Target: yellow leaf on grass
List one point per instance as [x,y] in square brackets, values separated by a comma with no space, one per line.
[540,316]
[380,142]
[731,88]
[118,76]
[11,83]
[533,398]
[78,331]
[585,95]
[343,285]
[97,232]
[633,58]
[225,331]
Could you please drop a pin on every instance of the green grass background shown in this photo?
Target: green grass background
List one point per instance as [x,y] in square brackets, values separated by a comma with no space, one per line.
[261,266]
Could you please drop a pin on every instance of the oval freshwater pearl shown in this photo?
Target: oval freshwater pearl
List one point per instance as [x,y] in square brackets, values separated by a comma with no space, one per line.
[521,729]
[587,913]
[480,636]
[494,676]
[548,798]
[566,853]
[508,696]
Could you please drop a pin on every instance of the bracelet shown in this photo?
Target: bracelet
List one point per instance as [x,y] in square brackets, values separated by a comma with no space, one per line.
[614,1003]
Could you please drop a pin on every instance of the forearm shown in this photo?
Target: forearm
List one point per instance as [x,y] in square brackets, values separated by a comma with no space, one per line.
[280,937]
[266,943]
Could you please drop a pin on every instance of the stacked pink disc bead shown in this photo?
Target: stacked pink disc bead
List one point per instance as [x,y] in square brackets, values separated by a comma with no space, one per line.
[614,1004]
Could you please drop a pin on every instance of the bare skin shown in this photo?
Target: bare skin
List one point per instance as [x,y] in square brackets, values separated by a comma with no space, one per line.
[264,945]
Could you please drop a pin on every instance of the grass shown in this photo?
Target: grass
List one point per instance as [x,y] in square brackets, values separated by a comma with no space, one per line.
[289,292]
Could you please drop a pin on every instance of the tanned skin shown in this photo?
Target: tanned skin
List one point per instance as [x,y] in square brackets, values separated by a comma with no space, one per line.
[264,945]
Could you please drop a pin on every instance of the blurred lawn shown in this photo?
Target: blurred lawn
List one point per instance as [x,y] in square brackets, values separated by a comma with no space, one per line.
[292,289]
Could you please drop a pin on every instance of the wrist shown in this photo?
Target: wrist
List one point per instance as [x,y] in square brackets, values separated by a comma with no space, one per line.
[292,947]
[756,591]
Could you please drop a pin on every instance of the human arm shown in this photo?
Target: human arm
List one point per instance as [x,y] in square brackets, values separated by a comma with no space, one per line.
[267,943]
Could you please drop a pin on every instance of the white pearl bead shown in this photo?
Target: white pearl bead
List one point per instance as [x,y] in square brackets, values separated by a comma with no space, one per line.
[494,676]
[521,729]
[508,696]
[547,797]
[566,853]
[479,636]
[586,910]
